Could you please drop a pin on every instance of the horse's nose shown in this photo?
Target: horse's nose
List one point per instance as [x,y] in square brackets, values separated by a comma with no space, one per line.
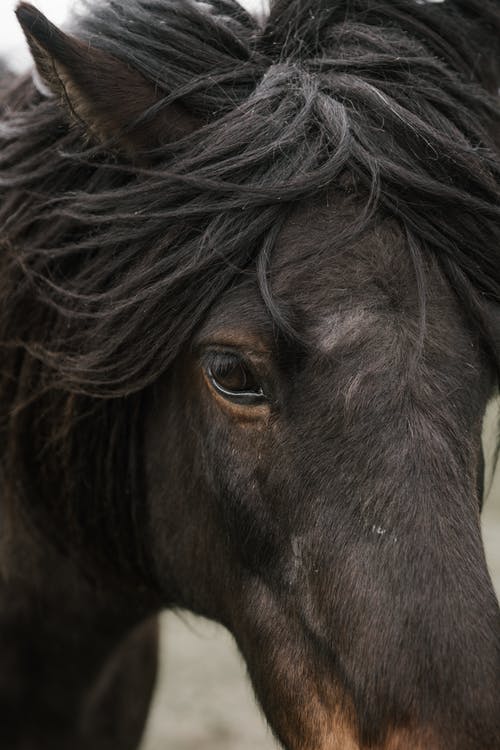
[412,637]
[413,739]
[362,677]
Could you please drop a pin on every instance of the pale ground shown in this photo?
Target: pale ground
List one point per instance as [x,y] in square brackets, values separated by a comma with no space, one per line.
[204,701]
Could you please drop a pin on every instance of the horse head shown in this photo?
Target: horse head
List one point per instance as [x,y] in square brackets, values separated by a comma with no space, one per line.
[284,269]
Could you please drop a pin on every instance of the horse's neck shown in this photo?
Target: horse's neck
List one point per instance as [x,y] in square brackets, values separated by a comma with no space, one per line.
[41,575]
[55,629]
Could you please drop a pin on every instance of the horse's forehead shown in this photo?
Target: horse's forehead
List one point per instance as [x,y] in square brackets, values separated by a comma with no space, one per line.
[344,289]
[344,327]
[330,275]
[326,243]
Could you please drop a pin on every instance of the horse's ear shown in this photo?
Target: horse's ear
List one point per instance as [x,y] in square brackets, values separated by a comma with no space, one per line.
[99,90]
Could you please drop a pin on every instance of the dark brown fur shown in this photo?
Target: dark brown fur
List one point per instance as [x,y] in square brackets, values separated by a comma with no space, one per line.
[317,201]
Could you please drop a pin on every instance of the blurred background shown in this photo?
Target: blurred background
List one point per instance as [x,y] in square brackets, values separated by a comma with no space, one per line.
[203,697]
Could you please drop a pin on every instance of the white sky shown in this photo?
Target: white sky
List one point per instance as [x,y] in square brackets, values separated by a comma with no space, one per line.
[13,47]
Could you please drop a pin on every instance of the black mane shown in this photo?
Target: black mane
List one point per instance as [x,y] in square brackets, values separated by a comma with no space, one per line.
[108,268]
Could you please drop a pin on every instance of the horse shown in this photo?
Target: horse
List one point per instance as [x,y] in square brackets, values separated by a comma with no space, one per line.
[249,328]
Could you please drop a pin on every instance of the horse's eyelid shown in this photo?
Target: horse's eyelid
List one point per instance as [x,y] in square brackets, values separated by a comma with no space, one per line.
[213,358]
[259,394]
[210,362]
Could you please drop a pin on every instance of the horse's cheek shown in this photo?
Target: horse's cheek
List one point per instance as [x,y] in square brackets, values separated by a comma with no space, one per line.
[245,514]
[212,516]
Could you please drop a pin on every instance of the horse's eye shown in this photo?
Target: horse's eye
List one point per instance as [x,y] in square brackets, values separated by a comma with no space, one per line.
[233,379]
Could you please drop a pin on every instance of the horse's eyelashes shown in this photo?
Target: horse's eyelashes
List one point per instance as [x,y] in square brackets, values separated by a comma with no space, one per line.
[233,378]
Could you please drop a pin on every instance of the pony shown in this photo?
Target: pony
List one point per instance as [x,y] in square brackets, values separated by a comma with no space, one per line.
[249,327]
